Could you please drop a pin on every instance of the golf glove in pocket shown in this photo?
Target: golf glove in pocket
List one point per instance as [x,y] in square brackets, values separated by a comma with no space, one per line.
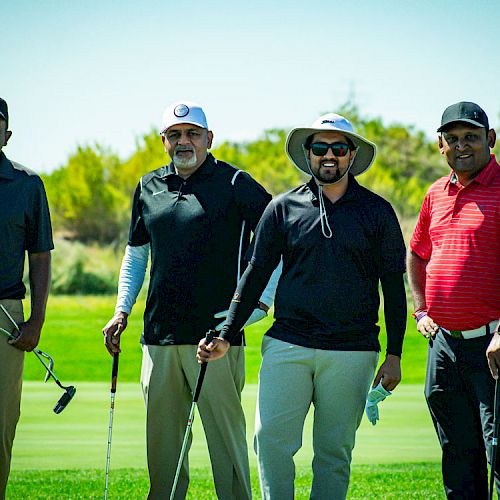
[375,396]
[256,315]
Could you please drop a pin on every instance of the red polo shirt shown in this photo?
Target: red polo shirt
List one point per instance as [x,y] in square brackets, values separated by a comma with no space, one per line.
[458,232]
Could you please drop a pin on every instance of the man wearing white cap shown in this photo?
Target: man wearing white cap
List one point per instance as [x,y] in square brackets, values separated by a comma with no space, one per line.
[337,240]
[195,216]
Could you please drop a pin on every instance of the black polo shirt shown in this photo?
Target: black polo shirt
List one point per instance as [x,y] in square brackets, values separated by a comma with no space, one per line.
[24,224]
[194,227]
[328,293]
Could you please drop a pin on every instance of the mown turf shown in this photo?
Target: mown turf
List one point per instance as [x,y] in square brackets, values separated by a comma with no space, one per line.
[72,335]
[402,481]
[77,438]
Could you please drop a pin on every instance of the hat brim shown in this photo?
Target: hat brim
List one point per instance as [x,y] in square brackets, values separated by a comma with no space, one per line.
[181,122]
[297,137]
[466,120]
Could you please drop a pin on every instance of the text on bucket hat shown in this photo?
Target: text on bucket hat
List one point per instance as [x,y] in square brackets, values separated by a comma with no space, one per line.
[464,111]
[4,111]
[183,112]
[331,122]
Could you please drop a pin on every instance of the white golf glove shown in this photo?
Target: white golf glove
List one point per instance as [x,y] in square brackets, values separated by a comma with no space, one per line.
[375,396]
[256,315]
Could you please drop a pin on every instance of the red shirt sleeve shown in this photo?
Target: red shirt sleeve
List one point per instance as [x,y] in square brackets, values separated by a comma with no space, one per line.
[420,242]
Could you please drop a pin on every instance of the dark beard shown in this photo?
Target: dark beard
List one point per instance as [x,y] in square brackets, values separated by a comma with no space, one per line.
[329,180]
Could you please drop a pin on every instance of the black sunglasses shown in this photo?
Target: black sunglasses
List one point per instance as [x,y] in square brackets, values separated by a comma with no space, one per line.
[338,148]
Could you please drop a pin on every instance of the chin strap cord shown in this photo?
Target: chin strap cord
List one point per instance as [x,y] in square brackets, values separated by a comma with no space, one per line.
[325,224]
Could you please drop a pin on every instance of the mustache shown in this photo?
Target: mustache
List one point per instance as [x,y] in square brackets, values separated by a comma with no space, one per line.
[183,148]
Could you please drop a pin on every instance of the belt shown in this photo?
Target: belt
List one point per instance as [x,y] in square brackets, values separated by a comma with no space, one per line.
[472,334]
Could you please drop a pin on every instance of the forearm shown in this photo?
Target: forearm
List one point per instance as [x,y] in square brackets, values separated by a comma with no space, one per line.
[245,300]
[395,311]
[416,267]
[132,272]
[39,278]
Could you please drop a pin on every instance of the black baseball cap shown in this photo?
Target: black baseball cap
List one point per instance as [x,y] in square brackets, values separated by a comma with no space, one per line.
[4,111]
[468,112]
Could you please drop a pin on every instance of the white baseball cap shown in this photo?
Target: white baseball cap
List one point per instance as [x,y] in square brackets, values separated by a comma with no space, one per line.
[183,112]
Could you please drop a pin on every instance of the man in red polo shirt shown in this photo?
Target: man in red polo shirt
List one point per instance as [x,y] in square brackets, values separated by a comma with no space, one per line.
[454,273]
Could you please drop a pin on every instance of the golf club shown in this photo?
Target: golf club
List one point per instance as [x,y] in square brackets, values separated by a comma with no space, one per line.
[114,375]
[69,390]
[199,382]
[494,444]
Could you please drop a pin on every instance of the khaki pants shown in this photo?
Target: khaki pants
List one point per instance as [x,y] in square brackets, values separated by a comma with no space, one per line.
[168,378]
[11,363]
[291,378]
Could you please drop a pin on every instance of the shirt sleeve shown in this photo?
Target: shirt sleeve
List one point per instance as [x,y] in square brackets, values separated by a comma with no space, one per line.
[138,234]
[251,198]
[420,241]
[133,269]
[39,228]
[395,310]
[267,243]
[391,252]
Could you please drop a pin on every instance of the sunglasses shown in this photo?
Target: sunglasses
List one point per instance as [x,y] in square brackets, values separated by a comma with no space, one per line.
[338,148]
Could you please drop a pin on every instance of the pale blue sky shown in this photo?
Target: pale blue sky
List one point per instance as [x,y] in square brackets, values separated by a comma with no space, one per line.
[77,72]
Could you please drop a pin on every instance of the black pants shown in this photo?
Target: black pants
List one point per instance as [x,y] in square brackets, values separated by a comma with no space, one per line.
[460,393]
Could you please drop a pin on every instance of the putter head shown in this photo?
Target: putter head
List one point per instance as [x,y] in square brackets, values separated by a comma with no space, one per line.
[65,399]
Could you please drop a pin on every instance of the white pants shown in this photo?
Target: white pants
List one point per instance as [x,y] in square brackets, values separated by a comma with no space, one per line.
[291,378]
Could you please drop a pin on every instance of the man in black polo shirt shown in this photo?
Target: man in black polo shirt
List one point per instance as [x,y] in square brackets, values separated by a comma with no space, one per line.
[195,215]
[24,226]
[337,240]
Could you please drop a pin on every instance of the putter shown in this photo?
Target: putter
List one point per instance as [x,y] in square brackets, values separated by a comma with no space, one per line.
[69,391]
[494,443]
[114,375]
[199,382]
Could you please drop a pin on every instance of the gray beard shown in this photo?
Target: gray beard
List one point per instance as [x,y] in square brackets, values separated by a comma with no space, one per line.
[184,162]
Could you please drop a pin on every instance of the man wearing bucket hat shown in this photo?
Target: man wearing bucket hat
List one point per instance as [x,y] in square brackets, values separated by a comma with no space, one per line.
[454,275]
[25,228]
[337,240]
[195,216]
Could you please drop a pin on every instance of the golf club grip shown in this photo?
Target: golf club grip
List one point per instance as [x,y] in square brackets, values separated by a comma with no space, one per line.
[114,372]
[203,368]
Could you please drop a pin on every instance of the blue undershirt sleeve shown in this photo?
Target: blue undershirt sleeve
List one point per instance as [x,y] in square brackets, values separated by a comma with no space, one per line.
[132,271]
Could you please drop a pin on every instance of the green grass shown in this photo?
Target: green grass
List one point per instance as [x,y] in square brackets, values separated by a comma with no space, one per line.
[77,438]
[63,456]
[72,335]
[411,480]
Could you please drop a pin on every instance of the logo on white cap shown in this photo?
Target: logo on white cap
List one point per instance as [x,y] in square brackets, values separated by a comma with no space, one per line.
[181,110]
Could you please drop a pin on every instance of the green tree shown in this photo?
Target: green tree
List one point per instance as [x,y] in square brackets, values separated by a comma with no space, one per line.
[86,201]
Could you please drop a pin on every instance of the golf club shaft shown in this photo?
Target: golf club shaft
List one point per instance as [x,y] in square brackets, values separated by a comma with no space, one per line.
[199,382]
[494,444]
[183,449]
[39,354]
[114,376]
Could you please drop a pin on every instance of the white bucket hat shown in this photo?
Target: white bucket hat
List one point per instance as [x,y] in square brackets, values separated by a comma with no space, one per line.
[330,122]
[183,112]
